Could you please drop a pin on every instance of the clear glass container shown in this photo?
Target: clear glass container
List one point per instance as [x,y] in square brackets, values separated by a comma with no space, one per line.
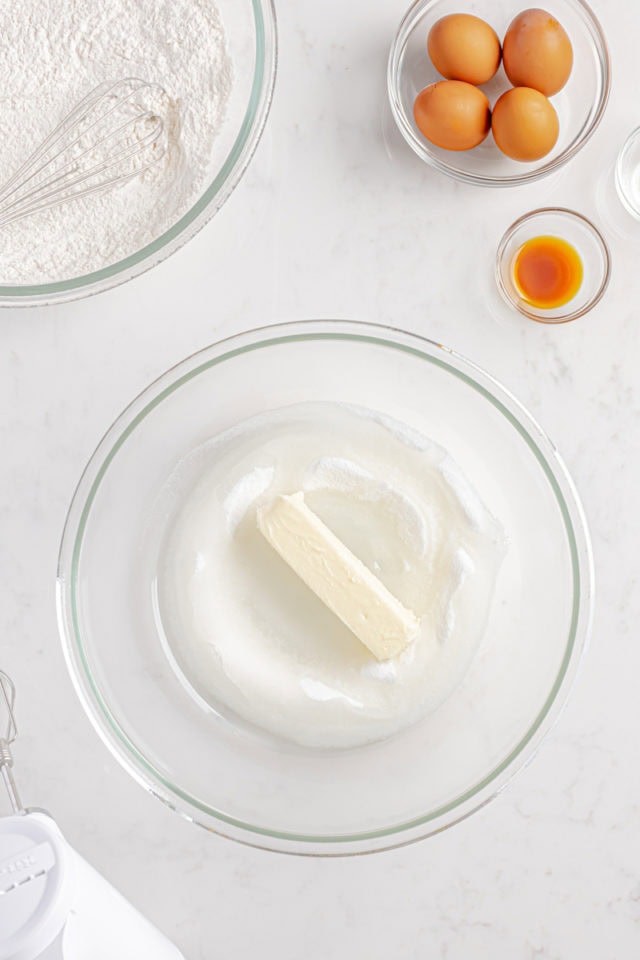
[586,240]
[246,784]
[250,29]
[628,174]
[580,104]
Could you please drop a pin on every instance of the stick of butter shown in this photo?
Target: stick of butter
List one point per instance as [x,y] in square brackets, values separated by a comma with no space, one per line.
[337,577]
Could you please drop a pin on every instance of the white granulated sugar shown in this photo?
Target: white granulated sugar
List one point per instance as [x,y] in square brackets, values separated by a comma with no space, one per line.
[53,53]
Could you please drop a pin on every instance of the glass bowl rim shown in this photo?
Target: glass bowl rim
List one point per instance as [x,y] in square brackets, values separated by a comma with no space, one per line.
[522,307]
[107,725]
[399,114]
[205,207]
[630,141]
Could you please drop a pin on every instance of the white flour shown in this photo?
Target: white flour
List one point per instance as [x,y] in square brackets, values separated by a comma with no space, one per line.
[53,53]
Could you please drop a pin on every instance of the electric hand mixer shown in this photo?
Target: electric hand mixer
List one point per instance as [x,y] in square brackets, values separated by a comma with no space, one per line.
[53,905]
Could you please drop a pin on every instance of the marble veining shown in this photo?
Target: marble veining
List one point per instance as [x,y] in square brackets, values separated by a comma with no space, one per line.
[337,218]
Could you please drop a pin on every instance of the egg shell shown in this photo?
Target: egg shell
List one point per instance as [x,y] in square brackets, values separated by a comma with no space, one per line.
[525,124]
[537,52]
[452,114]
[464,47]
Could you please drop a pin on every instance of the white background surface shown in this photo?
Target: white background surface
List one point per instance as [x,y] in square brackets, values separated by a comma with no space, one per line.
[336,218]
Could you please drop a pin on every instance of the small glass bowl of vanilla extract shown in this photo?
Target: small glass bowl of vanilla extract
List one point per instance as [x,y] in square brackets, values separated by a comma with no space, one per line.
[553,265]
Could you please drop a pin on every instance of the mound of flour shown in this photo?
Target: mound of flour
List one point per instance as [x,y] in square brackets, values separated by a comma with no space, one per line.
[53,53]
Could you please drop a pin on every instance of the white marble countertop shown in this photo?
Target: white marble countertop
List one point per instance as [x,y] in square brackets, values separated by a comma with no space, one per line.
[337,218]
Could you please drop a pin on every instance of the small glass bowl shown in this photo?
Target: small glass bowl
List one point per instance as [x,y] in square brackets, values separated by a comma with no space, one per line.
[628,174]
[580,104]
[581,234]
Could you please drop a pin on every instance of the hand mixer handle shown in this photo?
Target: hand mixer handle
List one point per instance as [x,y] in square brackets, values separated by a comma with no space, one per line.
[37,886]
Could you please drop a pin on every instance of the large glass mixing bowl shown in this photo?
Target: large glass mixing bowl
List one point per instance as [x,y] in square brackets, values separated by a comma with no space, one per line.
[264,791]
[250,31]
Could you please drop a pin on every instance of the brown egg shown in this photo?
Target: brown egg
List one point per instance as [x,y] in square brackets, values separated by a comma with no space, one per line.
[525,124]
[537,52]
[453,115]
[464,47]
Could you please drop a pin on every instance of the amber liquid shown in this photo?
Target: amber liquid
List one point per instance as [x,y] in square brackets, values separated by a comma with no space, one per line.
[547,272]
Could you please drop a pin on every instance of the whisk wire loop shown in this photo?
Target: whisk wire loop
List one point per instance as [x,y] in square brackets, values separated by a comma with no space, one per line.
[108,138]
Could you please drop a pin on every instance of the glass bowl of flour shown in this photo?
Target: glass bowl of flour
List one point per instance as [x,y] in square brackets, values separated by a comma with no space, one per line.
[215,59]
[216,676]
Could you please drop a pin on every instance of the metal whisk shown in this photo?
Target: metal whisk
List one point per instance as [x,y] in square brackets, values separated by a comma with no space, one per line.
[8,733]
[110,137]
